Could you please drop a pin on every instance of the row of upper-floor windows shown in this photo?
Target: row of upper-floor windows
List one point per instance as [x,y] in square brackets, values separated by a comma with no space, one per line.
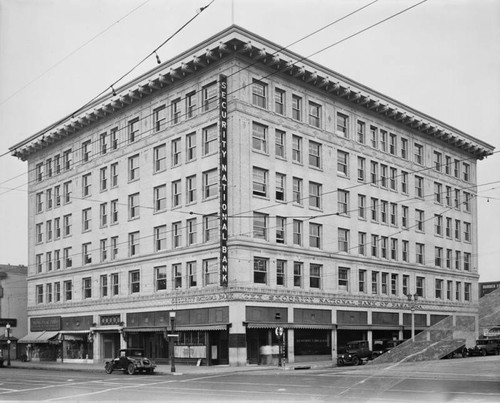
[361,131]
[134,281]
[177,234]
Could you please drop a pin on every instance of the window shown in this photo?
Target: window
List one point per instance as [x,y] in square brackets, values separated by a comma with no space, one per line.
[297,149]
[449,258]
[210,271]
[160,158]
[280,186]
[160,234]
[260,270]
[342,125]
[383,211]
[57,292]
[315,275]
[48,167]
[466,172]
[48,261]
[419,220]
[133,168]
[438,224]
[438,161]
[362,243]
[447,166]
[467,291]
[374,209]
[419,187]
[114,174]
[67,160]
[394,249]
[175,110]
[361,169]
[103,248]
[404,182]
[133,243]
[342,163]
[210,143]
[315,231]
[190,105]
[280,230]
[456,168]
[103,143]
[259,137]
[260,224]
[210,227]
[384,172]
[467,261]
[68,290]
[39,202]
[104,285]
[362,281]
[419,154]
[280,143]
[86,149]
[114,211]
[86,185]
[439,288]
[297,190]
[405,254]
[280,272]
[384,283]
[343,240]
[458,291]
[393,143]
[260,179]
[457,230]
[48,229]
[39,294]
[297,232]
[177,276]
[296,107]
[86,220]
[393,179]
[449,223]
[315,193]
[373,172]
[467,232]
[374,137]
[133,130]
[115,283]
[114,138]
[57,259]
[191,147]
[438,188]
[176,235]
[457,199]
[259,94]
[159,118]
[39,264]
[87,287]
[209,96]
[375,276]
[48,195]
[466,202]
[191,189]
[67,224]
[383,247]
[57,228]
[394,214]
[133,206]
[176,193]
[314,114]
[419,250]
[361,132]
[314,154]
[343,279]
[160,198]
[191,231]
[191,273]
[406,284]
[362,206]
[68,259]
[438,256]
[134,281]
[297,274]
[114,247]
[404,148]
[394,284]
[342,202]
[87,253]
[210,183]
[279,101]
[103,179]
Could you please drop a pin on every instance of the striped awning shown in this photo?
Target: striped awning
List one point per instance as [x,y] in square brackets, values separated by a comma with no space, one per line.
[38,337]
[269,325]
[180,328]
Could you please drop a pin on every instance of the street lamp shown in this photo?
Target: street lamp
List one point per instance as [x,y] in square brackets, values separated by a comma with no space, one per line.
[171,341]
[412,298]
[7,327]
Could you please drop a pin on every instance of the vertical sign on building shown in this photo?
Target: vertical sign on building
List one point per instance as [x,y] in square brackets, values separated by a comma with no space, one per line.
[223,219]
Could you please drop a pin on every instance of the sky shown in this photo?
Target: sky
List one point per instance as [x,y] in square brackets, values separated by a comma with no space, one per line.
[441,57]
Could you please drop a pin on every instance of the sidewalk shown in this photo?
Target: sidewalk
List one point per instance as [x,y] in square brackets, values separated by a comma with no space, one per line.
[164,369]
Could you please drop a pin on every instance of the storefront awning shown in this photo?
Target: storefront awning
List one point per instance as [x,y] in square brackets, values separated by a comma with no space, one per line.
[269,325]
[38,337]
[180,328]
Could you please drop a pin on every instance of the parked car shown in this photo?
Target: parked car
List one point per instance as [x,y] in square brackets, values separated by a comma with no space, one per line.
[485,346]
[460,351]
[131,360]
[384,345]
[356,352]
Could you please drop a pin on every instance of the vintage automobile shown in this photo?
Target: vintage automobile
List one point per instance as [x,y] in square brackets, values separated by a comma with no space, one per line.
[384,345]
[356,352]
[485,346]
[131,360]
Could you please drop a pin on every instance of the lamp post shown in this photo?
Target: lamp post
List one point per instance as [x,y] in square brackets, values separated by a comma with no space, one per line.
[171,341]
[412,298]
[7,328]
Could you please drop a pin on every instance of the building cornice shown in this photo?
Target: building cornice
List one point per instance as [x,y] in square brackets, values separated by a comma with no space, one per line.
[259,51]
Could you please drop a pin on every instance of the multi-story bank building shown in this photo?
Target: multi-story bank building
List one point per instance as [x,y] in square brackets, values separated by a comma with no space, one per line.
[246,190]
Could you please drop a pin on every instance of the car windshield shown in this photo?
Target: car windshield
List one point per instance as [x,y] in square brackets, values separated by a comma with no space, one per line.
[136,353]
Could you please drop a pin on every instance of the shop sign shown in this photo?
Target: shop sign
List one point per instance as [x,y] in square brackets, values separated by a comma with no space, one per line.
[107,320]
[49,323]
[5,321]
[223,211]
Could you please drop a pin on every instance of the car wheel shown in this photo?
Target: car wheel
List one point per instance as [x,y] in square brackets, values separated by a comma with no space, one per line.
[483,352]
[374,355]
[340,363]
[464,353]
[108,368]
[131,369]
[355,360]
